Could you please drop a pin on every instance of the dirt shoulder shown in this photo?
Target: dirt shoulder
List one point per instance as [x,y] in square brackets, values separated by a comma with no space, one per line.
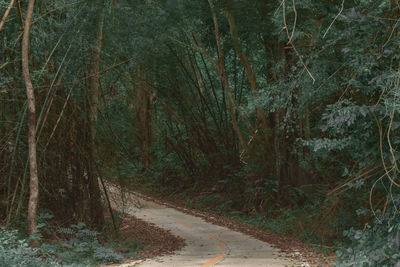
[157,241]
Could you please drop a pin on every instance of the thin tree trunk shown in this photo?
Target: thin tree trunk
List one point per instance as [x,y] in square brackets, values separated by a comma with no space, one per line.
[277,148]
[220,66]
[34,180]
[21,19]
[93,99]
[307,132]
[249,72]
[143,117]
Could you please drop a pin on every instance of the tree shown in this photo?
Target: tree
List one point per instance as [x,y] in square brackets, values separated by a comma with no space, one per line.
[33,169]
[96,208]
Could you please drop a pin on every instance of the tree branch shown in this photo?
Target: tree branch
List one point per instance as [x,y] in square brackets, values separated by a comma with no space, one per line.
[6,14]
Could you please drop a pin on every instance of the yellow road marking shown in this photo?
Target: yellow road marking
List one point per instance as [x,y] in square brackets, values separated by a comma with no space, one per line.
[211,262]
[184,225]
[222,246]
[209,237]
[152,213]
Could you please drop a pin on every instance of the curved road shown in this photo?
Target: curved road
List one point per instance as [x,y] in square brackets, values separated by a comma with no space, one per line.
[206,244]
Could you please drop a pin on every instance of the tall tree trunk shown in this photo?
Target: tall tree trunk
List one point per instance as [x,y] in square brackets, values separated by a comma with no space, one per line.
[143,117]
[33,170]
[96,209]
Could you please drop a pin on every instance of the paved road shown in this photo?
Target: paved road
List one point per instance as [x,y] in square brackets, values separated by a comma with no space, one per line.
[206,244]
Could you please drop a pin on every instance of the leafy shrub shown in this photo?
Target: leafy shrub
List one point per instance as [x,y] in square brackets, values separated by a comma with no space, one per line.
[84,248]
[376,245]
[81,249]
[15,251]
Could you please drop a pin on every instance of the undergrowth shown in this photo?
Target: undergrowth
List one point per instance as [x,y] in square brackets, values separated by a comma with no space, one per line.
[15,251]
[75,246]
[376,244]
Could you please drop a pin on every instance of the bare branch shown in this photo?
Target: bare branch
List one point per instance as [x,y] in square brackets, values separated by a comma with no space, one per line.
[290,37]
[294,23]
[333,21]
[58,120]
[3,66]
[391,33]
[6,14]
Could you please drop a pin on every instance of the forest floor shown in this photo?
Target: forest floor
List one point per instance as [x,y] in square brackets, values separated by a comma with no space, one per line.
[209,238]
[155,240]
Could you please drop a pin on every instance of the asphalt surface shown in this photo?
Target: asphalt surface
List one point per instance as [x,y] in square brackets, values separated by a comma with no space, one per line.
[206,244]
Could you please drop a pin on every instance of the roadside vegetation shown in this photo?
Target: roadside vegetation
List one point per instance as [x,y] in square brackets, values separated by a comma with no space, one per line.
[281,114]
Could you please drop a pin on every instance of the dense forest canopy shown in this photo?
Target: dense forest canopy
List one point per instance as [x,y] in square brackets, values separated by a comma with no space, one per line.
[284,111]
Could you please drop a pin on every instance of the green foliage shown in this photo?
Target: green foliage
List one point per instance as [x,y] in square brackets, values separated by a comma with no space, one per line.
[81,247]
[15,251]
[326,80]
[84,248]
[375,245]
